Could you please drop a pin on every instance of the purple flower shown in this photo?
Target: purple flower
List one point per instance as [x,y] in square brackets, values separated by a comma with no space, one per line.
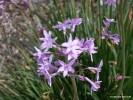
[49,77]
[109,35]
[115,38]
[65,68]
[73,55]
[46,69]
[105,34]
[63,26]
[72,48]
[97,70]
[108,21]
[111,2]
[89,47]
[74,22]
[41,55]
[38,54]
[68,24]
[46,65]
[48,42]
[41,69]
[94,85]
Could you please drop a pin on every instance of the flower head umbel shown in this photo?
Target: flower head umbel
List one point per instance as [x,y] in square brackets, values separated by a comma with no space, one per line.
[54,59]
[48,42]
[111,2]
[66,68]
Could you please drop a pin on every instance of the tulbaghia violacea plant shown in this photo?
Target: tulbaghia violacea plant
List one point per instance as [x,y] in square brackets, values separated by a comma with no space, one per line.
[69,51]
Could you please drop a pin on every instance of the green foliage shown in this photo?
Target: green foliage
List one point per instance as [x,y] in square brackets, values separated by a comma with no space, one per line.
[24,83]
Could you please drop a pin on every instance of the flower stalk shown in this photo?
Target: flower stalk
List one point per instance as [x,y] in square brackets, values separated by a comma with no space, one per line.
[75,87]
[121,24]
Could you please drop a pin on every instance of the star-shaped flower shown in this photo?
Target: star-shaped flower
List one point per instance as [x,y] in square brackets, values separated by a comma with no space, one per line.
[63,26]
[74,22]
[89,47]
[66,68]
[38,54]
[94,85]
[72,48]
[96,69]
[46,65]
[108,21]
[41,55]
[115,38]
[109,35]
[48,42]
[49,77]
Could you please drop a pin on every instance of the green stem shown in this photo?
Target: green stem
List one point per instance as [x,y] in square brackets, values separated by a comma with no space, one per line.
[100,18]
[75,87]
[123,45]
[114,71]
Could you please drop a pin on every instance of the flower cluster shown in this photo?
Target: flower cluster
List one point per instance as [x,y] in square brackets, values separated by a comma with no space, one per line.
[67,54]
[108,34]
